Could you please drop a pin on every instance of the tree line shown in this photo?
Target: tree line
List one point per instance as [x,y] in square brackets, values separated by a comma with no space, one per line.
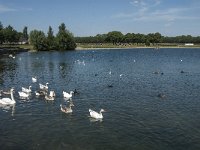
[117,37]
[8,35]
[64,39]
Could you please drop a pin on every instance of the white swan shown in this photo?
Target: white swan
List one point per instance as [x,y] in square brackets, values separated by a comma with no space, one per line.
[23,94]
[11,56]
[34,79]
[26,90]
[43,87]
[8,101]
[51,96]
[67,95]
[66,109]
[1,92]
[95,114]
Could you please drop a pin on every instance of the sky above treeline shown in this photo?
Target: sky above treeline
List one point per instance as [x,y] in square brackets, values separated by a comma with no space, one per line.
[91,17]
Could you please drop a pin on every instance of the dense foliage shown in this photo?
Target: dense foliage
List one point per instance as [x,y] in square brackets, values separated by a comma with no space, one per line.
[64,39]
[117,37]
[38,40]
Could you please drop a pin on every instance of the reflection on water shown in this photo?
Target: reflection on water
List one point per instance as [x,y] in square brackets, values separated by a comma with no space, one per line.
[8,108]
[95,120]
[126,83]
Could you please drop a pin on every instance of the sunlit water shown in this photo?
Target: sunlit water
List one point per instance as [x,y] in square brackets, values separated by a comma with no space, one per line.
[126,83]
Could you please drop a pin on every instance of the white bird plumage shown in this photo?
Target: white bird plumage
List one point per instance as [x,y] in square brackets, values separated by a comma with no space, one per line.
[34,79]
[67,95]
[95,114]
[66,109]
[26,90]
[51,96]
[8,101]
[12,56]
[43,87]
[23,94]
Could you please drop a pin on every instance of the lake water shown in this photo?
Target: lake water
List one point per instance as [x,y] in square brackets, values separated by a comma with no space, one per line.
[126,83]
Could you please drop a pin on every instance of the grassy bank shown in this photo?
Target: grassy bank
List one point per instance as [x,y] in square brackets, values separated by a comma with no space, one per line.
[26,46]
[7,49]
[16,46]
[88,46]
[140,45]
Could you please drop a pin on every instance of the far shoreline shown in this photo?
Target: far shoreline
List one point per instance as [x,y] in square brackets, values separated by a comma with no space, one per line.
[139,47]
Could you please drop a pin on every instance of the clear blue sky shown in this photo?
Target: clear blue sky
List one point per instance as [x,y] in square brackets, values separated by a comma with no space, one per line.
[91,17]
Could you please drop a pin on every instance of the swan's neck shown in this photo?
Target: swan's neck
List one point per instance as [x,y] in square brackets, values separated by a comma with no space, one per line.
[12,97]
[100,113]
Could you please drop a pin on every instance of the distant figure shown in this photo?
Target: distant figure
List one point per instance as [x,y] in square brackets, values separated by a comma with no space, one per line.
[182,71]
[156,72]
[161,95]
[110,85]
[34,79]
[76,92]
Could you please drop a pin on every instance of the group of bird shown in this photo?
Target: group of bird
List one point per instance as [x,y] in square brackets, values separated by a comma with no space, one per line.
[43,91]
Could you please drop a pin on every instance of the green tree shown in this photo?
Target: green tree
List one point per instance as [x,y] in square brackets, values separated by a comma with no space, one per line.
[10,34]
[157,37]
[100,38]
[65,39]
[25,34]
[1,26]
[38,40]
[139,38]
[147,43]
[1,33]
[128,38]
[50,39]
[154,37]
[115,37]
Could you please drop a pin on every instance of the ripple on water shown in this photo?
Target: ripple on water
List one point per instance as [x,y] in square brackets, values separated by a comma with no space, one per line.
[135,117]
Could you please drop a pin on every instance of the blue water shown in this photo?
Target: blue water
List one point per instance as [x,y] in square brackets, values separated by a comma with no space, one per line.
[126,83]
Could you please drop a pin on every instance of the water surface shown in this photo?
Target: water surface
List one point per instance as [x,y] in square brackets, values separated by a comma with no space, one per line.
[126,83]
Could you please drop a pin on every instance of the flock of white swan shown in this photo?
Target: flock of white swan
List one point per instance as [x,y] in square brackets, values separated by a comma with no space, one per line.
[43,91]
